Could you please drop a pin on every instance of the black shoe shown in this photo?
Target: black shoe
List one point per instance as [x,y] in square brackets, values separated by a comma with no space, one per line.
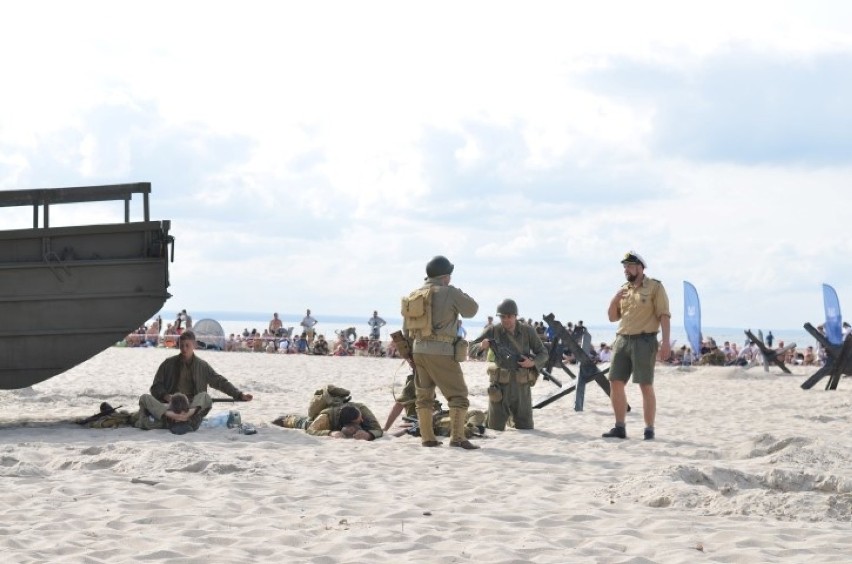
[649,434]
[616,433]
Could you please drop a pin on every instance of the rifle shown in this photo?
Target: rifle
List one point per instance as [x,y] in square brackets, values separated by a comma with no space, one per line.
[230,400]
[413,428]
[513,358]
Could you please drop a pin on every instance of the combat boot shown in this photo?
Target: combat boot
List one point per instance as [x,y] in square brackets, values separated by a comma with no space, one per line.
[457,424]
[427,432]
[292,421]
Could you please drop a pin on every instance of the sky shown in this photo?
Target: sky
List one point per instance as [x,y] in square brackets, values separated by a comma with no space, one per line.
[318,154]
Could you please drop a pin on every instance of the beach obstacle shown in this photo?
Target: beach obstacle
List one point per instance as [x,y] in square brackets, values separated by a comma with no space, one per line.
[838,360]
[770,355]
[563,340]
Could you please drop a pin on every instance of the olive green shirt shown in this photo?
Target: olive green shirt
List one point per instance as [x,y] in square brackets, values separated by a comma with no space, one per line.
[524,335]
[641,310]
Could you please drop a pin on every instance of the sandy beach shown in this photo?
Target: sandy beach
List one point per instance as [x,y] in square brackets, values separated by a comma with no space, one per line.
[747,467]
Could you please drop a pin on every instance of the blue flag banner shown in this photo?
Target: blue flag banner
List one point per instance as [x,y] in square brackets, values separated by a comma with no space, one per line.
[833,321]
[692,316]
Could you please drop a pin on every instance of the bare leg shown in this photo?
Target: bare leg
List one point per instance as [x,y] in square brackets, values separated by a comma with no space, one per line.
[618,397]
[649,403]
[394,413]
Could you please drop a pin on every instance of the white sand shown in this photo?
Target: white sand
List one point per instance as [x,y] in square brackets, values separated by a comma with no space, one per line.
[747,467]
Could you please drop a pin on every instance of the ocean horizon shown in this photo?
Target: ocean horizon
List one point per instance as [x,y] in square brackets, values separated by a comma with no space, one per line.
[329,325]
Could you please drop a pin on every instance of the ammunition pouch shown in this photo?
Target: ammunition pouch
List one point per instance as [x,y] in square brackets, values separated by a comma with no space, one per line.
[460,350]
[532,376]
[495,395]
[497,375]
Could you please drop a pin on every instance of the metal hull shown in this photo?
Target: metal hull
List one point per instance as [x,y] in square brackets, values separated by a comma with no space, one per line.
[68,293]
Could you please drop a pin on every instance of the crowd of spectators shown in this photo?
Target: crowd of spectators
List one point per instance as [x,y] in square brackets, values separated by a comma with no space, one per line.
[279,340]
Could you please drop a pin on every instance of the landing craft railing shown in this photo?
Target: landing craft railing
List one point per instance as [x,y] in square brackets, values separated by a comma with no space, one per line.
[46,196]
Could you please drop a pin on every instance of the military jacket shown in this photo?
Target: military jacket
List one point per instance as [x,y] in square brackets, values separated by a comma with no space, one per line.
[203,375]
[525,336]
[448,303]
[328,421]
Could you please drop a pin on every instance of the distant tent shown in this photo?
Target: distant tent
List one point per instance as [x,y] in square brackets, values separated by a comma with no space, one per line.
[209,334]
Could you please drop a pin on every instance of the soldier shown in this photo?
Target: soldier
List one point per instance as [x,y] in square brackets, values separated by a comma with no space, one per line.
[641,306]
[187,374]
[406,402]
[432,322]
[517,355]
[350,420]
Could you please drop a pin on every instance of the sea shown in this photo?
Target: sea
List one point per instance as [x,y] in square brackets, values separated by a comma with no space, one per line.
[330,325]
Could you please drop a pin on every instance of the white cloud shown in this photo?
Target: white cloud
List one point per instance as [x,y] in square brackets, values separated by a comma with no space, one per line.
[322,153]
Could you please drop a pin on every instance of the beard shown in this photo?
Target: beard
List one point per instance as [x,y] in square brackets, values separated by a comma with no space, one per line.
[631,277]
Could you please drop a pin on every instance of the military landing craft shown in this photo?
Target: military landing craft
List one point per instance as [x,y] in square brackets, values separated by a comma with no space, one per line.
[68,293]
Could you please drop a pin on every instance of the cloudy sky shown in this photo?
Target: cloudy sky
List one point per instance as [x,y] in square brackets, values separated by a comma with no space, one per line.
[317,154]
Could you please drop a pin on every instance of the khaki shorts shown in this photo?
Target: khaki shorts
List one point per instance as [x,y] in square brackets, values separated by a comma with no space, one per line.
[634,354]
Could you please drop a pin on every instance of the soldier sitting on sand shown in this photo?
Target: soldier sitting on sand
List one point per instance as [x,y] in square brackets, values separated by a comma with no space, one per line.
[189,375]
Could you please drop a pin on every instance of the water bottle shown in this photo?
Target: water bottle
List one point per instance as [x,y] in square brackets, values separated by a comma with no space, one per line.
[216,420]
[234,419]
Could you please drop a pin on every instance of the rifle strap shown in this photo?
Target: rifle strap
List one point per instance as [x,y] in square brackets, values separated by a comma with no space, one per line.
[515,343]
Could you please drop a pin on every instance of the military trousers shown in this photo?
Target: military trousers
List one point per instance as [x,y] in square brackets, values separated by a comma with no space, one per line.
[516,404]
[443,372]
[152,412]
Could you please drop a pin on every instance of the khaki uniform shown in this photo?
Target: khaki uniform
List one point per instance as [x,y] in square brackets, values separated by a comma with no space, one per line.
[408,398]
[640,311]
[328,421]
[635,347]
[509,390]
[434,355]
[435,363]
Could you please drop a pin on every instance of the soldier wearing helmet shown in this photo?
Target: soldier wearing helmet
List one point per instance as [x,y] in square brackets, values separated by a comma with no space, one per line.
[435,363]
[517,354]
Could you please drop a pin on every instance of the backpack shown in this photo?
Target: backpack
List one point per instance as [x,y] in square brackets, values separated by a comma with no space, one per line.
[330,396]
[416,312]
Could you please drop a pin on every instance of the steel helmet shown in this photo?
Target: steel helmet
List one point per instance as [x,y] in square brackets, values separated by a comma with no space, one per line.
[439,266]
[507,307]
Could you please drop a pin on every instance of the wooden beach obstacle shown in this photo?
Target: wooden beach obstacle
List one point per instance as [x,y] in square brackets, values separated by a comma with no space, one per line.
[770,355]
[838,360]
[563,340]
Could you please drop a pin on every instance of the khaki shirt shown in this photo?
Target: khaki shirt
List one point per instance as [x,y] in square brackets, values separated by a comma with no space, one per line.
[328,421]
[641,310]
[448,303]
